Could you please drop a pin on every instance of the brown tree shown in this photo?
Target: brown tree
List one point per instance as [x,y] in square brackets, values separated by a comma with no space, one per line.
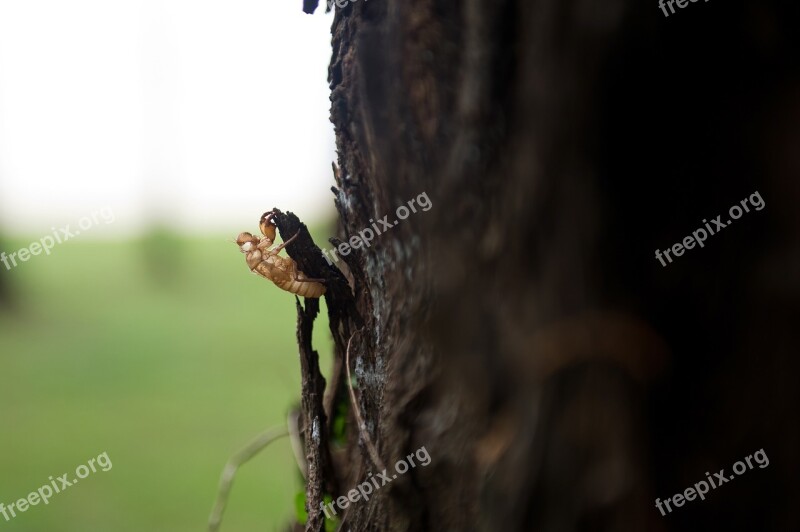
[521,330]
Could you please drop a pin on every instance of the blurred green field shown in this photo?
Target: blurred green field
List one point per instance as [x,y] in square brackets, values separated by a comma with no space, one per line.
[168,355]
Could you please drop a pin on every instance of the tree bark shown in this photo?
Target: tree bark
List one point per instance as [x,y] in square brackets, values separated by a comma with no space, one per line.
[520,330]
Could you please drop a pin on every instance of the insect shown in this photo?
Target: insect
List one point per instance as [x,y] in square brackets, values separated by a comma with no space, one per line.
[268,264]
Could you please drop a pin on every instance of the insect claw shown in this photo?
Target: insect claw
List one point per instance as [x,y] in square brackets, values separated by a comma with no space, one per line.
[267,226]
[267,217]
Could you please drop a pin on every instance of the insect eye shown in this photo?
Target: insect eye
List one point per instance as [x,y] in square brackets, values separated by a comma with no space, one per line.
[244,237]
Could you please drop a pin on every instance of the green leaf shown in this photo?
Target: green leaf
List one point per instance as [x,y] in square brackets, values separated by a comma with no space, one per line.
[339,423]
[300,507]
[332,523]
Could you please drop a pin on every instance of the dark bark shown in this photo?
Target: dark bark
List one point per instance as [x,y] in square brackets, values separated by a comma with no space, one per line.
[521,330]
[316,421]
[344,320]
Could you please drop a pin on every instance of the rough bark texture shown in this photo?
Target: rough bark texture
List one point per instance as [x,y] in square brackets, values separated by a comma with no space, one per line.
[521,330]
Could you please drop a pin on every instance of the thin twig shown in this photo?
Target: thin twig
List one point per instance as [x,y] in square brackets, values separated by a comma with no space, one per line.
[293,420]
[362,427]
[329,399]
[226,480]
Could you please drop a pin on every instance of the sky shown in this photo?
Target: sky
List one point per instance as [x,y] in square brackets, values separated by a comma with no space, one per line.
[199,114]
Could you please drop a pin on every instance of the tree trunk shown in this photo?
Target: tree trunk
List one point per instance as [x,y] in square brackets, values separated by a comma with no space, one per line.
[520,330]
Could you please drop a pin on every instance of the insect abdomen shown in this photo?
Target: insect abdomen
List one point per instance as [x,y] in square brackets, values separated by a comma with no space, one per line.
[303,289]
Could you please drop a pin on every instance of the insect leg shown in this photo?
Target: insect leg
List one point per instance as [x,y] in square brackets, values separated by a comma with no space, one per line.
[297,275]
[286,243]
[322,281]
[267,226]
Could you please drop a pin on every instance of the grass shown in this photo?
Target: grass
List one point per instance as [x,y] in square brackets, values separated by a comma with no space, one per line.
[166,354]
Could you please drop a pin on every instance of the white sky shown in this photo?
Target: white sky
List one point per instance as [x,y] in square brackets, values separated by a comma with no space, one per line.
[205,113]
